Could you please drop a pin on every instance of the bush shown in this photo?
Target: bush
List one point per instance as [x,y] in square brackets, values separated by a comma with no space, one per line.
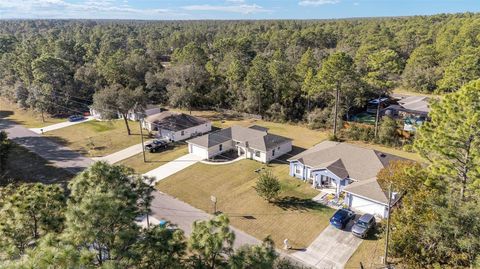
[360,132]
[319,118]
[268,186]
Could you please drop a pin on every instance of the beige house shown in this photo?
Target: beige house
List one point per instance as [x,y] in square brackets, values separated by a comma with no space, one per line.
[253,143]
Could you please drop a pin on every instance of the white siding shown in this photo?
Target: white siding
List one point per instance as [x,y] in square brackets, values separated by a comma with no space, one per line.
[363,205]
[187,133]
[279,151]
[199,151]
[215,150]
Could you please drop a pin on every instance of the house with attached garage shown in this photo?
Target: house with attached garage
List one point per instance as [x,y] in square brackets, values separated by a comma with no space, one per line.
[176,126]
[346,170]
[253,143]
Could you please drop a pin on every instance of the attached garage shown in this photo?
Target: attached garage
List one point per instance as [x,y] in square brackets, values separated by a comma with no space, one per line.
[363,205]
[198,150]
[367,197]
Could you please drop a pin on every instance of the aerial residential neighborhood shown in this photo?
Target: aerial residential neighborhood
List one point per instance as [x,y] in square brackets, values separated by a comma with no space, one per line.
[250,134]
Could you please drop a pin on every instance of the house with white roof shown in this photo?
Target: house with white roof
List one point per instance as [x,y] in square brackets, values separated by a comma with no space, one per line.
[345,168]
[412,109]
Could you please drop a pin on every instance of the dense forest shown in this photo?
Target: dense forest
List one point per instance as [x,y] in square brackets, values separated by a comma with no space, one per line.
[279,69]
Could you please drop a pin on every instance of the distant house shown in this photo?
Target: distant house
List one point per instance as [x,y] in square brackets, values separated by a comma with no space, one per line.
[253,143]
[176,126]
[341,167]
[133,116]
[412,109]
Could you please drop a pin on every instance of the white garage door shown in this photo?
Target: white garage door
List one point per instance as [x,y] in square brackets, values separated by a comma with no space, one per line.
[366,206]
[199,151]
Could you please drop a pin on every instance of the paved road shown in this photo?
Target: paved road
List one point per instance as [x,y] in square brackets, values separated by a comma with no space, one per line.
[173,167]
[331,249]
[166,207]
[122,154]
[58,155]
[59,125]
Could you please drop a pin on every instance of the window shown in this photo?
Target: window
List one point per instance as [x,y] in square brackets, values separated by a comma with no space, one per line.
[182,133]
[297,169]
[273,152]
[220,147]
[257,153]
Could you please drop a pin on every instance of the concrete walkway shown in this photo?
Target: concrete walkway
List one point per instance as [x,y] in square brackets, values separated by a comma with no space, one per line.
[331,249]
[59,125]
[173,167]
[122,154]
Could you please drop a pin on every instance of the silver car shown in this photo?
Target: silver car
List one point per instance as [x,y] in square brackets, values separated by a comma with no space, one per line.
[363,225]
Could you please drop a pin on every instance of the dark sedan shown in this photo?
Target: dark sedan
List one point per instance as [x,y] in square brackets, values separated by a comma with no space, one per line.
[156,145]
[74,118]
[341,218]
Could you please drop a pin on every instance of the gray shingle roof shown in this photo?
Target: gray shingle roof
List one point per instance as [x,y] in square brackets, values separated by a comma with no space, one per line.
[174,121]
[347,160]
[256,139]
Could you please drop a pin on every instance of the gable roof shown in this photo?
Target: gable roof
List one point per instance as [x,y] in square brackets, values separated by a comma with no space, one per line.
[256,139]
[356,162]
[174,121]
[369,189]
[412,104]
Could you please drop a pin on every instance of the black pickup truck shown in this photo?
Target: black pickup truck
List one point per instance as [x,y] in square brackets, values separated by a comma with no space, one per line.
[156,145]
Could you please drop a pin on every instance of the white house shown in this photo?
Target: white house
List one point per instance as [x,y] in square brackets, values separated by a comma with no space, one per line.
[253,143]
[341,167]
[133,116]
[176,126]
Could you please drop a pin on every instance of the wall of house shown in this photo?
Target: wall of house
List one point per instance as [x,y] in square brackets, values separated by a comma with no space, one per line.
[279,151]
[215,150]
[197,150]
[187,133]
[297,166]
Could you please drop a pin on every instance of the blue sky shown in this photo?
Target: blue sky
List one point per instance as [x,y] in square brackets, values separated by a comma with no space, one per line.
[228,9]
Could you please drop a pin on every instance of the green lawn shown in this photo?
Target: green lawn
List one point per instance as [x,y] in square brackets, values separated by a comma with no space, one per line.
[154,160]
[25,166]
[369,253]
[97,138]
[27,118]
[294,217]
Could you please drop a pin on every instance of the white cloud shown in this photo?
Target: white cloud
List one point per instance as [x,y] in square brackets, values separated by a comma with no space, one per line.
[236,1]
[317,2]
[238,8]
[88,9]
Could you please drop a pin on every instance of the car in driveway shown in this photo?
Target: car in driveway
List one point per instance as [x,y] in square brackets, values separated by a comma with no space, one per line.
[341,218]
[156,145]
[75,118]
[363,225]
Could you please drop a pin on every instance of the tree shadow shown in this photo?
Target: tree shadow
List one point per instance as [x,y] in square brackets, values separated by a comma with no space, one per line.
[298,204]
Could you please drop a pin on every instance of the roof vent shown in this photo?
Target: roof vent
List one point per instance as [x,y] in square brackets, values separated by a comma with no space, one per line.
[383,155]
[246,144]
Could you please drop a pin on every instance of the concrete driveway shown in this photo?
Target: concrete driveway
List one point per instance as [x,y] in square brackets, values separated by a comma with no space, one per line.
[173,167]
[122,154]
[59,125]
[331,249]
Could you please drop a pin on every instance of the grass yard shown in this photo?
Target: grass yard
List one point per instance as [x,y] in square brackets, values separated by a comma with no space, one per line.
[294,217]
[369,253]
[154,160]
[25,166]
[97,138]
[27,118]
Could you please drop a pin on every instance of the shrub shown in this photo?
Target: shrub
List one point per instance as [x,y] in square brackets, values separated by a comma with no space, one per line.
[387,131]
[268,186]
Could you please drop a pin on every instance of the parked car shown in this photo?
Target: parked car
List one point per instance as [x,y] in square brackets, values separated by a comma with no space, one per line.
[363,225]
[341,218]
[156,145]
[74,118]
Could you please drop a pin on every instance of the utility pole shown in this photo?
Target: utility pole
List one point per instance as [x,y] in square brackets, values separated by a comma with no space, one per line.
[143,146]
[388,224]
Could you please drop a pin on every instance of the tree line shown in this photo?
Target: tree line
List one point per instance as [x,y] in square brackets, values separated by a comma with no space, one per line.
[312,71]
[94,225]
